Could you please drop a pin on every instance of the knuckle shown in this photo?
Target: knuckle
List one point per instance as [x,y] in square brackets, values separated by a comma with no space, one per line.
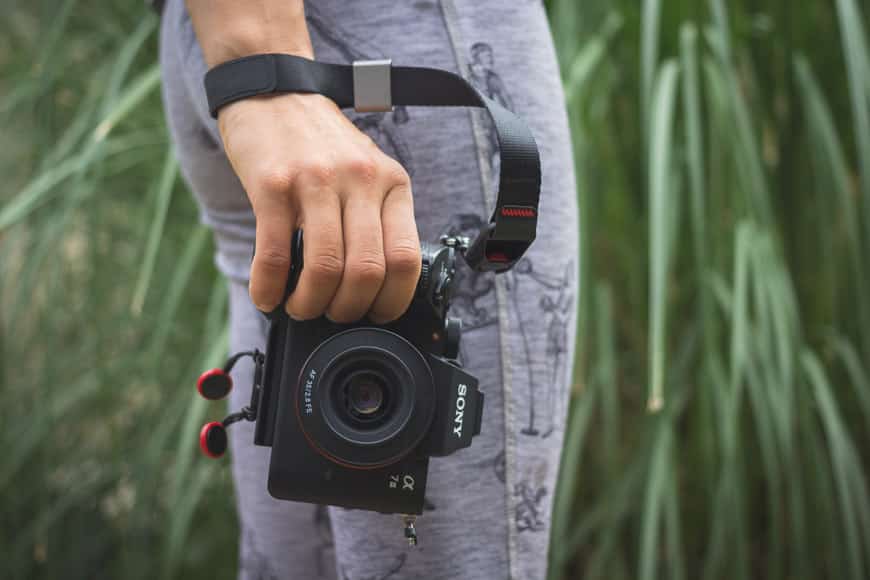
[276,181]
[327,265]
[367,270]
[318,173]
[274,258]
[404,259]
[362,168]
[396,175]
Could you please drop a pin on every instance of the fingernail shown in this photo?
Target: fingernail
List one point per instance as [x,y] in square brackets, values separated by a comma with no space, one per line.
[291,315]
[263,307]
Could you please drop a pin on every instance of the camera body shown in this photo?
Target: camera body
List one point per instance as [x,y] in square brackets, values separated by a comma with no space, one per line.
[354,411]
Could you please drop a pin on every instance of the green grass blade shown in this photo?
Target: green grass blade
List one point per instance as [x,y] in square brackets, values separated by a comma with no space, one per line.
[140,88]
[569,471]
[662,199]
[844,463]
[654,501]
[649,64]
[41,189]
[164,195]
[854,43]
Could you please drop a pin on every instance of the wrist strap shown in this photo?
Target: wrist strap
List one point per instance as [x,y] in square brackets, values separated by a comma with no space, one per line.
[378,86]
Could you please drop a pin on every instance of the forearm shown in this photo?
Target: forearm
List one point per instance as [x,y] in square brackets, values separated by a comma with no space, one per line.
[228,29]
[303,164]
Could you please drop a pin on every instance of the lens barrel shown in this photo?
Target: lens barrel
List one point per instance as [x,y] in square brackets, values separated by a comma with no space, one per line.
[365,398]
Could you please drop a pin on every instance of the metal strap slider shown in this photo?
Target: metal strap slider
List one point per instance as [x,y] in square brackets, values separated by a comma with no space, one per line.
[372,91]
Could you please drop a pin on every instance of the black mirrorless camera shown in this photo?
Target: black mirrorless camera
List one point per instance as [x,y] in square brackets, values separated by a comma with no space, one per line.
[353,412]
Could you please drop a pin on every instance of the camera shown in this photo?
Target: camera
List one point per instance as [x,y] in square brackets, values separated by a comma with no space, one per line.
[353,412]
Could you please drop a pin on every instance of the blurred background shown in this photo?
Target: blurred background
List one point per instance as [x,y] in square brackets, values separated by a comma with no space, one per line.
[720,423]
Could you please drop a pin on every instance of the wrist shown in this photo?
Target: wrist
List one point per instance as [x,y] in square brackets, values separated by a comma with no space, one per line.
[277,106]
[228,29]
[248,40]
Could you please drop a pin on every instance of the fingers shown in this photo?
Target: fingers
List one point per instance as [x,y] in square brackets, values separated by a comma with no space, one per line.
[271,262]
[323,258]
[362,250]
[364,267]
[401,255]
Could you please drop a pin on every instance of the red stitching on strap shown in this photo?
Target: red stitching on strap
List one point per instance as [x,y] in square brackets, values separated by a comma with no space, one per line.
[514,211]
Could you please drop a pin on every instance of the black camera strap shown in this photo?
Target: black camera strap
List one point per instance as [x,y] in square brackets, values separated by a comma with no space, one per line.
[378,86]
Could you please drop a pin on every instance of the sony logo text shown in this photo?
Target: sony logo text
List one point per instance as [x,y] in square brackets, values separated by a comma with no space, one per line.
[461,390]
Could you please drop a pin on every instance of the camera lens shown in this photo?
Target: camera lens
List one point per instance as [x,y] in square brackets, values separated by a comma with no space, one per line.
[365,395]
[367,398]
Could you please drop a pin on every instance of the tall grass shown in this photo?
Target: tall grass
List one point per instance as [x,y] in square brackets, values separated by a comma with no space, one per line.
[720,422]
[739,329]
[110,308]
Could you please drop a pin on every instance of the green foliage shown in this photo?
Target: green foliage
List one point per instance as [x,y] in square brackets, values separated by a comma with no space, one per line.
[719,429]
[110,309]
[720,425]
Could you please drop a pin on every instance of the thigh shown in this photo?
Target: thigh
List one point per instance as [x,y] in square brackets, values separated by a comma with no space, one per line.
[278,539]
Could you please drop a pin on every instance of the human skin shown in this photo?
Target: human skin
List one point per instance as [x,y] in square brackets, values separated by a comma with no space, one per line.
[303,164]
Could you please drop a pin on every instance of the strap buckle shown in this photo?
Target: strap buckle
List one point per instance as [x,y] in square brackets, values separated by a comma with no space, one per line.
[491,253]
[372,86]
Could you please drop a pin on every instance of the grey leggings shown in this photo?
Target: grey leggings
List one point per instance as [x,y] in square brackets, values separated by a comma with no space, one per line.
[488,507]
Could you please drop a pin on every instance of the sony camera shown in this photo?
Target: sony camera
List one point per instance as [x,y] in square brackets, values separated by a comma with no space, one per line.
[353,412]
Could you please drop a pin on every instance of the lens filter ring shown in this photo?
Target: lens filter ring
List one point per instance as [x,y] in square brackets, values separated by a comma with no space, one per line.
[365,398]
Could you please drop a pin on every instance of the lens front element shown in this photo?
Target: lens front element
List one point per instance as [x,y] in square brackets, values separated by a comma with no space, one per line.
[365,392]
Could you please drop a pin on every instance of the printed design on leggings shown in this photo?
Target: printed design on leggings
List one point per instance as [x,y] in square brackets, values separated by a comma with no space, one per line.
[326,545]
[395,567]
[482,74]
[253,564]
[384,129]
[498,466]
[557,307]
[528,512]
[553,309]
[547,320]
[531,505]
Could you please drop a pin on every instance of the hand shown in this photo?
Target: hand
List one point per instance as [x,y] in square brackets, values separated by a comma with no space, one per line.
[304,164]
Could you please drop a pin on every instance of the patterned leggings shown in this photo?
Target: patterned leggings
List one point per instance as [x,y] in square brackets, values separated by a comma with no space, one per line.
[488,507]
